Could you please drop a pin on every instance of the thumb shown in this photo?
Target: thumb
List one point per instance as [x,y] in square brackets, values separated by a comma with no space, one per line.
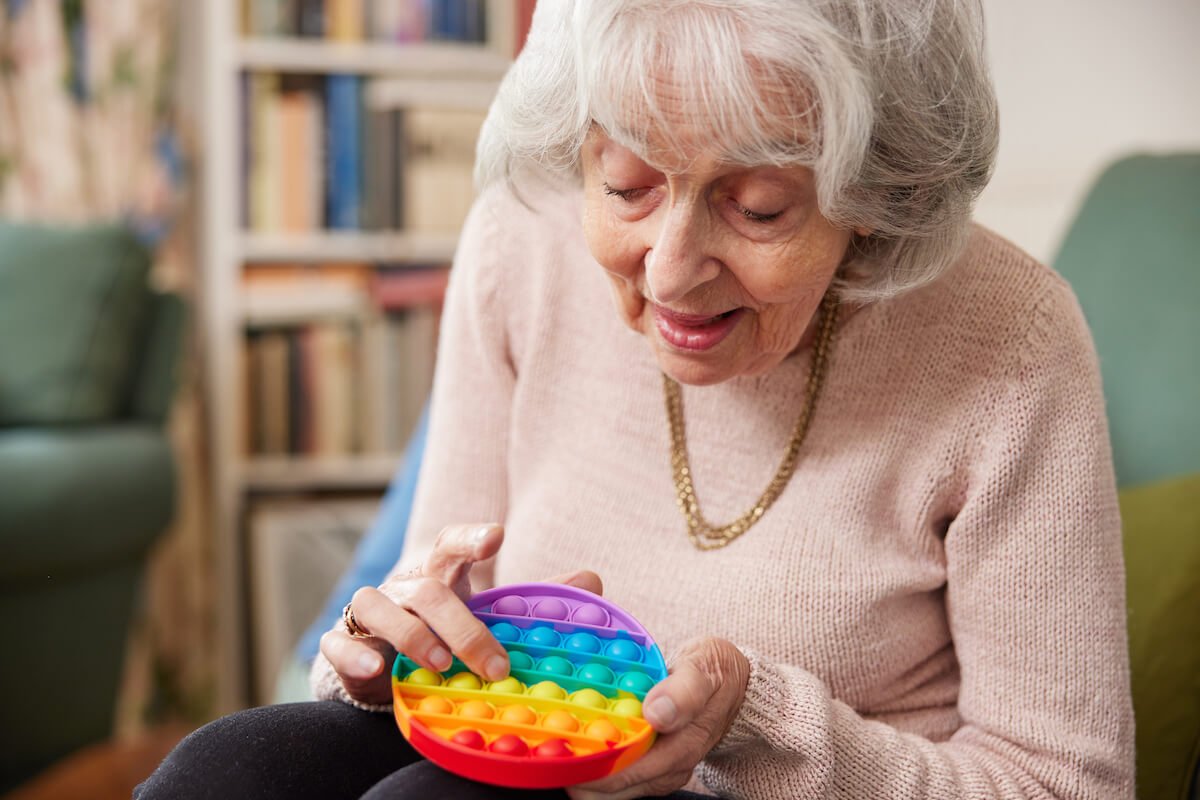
[582,579]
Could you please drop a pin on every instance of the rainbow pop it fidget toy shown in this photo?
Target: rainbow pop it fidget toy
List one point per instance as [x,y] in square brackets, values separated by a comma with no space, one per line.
[570,710]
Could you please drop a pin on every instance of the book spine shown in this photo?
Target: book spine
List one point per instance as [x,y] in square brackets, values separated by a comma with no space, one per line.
[310,18]
[343,132]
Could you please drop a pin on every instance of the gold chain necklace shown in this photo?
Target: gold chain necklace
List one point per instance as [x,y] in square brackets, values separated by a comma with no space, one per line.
[704,535]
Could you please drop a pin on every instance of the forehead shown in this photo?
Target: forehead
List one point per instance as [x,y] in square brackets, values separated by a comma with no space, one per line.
[671,121]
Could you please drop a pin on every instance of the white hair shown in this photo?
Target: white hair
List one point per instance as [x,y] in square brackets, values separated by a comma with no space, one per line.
[888,101]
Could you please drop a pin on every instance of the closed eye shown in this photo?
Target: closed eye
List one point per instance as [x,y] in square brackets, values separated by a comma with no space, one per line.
[755,216]
[628,195]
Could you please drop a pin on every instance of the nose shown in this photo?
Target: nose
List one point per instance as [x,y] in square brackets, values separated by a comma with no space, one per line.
[680,259]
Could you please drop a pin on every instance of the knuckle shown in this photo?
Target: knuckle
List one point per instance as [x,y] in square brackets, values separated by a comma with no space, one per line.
[448,537]
[426,593]
[363,597]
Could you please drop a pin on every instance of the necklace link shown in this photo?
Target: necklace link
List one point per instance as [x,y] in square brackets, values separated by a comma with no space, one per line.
[703,534]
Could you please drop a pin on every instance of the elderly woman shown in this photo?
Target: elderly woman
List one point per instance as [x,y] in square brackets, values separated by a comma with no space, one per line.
[843,453]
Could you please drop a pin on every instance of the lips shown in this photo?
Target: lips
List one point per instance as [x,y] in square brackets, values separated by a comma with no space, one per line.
[695,332]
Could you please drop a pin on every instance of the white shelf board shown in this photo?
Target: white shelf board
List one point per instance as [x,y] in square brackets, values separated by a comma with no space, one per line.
[298,473]
[418,59]
[467,94]
[347,246]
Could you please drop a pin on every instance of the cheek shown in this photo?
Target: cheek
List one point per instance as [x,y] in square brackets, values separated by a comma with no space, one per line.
[620,262]
[610,243]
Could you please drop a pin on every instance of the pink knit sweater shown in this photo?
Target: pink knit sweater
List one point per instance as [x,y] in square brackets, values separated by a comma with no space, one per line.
[934,607]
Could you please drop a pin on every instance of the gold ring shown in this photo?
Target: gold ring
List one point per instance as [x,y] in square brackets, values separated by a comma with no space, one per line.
[355,630]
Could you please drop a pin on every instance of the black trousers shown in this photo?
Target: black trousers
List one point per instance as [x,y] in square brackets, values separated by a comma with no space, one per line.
[322,750]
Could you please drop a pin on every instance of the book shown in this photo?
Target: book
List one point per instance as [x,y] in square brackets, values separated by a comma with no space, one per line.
[310,18]
[265,166]
[343,138]
[276,295]
[439,160]
[330,350]
[402,288]
[524,19]
[381,170]
[345,20]
[300,201]
[268,382]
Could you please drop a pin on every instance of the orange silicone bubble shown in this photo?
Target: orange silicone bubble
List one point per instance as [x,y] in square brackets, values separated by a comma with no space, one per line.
[435,704]
[518,715]
[602,729]
[559,720]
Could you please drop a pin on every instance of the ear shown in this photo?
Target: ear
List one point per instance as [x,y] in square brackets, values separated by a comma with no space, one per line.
[863,231]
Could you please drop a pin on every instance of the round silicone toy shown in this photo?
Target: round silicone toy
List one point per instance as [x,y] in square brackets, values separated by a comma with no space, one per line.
[570,710]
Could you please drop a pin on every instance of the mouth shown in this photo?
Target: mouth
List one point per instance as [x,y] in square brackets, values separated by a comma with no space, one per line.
[695,332]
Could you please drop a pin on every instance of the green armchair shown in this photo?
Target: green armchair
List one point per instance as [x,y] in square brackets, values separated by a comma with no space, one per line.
[1131,256]
[88,354]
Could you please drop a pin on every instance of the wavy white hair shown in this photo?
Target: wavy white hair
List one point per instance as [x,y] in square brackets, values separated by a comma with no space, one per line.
[888,101]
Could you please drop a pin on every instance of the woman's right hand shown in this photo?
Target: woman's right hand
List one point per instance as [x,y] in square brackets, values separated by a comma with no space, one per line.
[422,614]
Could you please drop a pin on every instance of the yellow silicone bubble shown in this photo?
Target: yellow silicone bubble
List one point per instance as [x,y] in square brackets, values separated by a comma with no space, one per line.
[547,690]
[602,729]
[518,715]
[464,680]
[476,709]
[424,677]
[627,707]
[510,685]
[590,698]
[559,720]
[435,704]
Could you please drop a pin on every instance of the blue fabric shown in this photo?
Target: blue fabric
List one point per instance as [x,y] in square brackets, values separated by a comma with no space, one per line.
[380,546]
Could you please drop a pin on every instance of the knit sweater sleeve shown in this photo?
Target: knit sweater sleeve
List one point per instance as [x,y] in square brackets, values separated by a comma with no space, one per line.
[462,478]
[1035,600]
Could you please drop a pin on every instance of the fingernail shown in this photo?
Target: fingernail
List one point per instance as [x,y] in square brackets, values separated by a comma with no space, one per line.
[660,712]
[369,664]
[496,668]
[440,658]
[482,533]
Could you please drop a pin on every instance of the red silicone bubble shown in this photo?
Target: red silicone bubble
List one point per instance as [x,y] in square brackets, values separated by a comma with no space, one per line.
[509,745]
[553,748]
[469,738]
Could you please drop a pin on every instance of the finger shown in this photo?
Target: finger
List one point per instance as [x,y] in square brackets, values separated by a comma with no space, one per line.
[679,698]
[582,579]
[378,615]
[442,617]
[630,784]
[457,548]
[360,665]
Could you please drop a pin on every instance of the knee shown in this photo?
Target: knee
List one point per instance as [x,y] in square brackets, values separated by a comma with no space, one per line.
[212,759]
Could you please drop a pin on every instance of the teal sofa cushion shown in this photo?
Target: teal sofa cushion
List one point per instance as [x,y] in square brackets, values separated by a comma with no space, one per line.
[72,309]
[76,500]
[1133,258]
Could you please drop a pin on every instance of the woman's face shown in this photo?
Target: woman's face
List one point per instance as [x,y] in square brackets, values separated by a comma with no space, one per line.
[720,267]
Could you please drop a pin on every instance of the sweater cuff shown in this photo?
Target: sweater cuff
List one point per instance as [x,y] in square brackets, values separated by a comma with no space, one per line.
[772,700]
[759,708]
[326,685]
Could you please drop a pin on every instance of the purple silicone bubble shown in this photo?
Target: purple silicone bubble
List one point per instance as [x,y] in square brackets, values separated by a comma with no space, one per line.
[591,614]
[551,608]
[512,605]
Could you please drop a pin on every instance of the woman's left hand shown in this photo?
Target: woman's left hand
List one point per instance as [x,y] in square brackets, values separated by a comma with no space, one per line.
[691,709]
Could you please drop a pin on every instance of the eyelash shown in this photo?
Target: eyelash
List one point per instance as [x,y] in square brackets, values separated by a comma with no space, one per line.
[629,195]
[754,216]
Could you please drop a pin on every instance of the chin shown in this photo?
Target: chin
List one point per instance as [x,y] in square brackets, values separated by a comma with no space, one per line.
[693,371]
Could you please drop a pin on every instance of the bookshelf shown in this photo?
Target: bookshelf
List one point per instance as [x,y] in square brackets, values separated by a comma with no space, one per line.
[390,75]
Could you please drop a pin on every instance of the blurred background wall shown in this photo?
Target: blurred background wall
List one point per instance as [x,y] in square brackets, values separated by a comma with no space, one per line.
[1081,82]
